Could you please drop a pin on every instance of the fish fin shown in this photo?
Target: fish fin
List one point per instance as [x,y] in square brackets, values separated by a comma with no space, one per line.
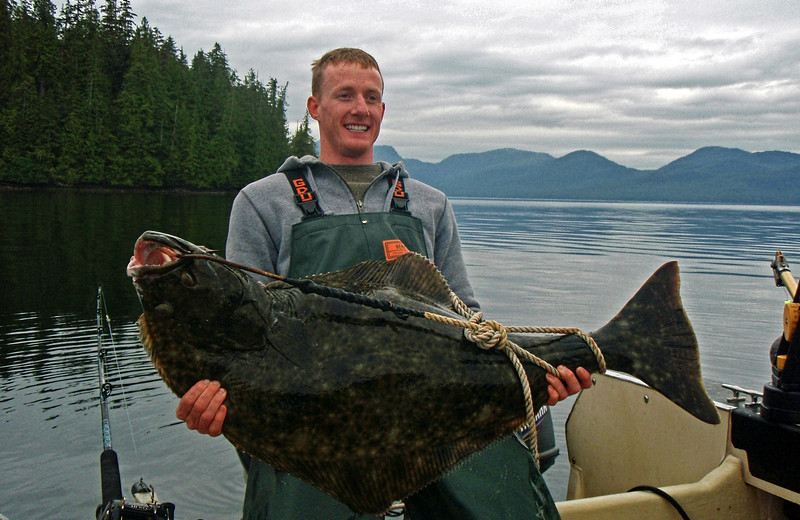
[411,273]
[149,341]
[652,338]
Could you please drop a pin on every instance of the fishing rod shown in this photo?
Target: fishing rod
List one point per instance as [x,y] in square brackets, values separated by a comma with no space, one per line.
[114,506]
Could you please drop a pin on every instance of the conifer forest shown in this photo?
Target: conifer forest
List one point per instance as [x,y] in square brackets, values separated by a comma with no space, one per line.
[88,97]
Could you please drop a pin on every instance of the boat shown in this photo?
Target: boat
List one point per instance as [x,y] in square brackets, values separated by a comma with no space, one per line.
[643,457]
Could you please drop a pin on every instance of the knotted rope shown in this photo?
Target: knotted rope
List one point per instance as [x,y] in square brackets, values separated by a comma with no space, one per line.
[488,334]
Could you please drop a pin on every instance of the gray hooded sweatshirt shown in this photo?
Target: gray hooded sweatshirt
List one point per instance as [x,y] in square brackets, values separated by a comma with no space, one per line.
[260,228]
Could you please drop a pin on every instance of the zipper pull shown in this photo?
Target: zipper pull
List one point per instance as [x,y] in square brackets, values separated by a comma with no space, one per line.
[360,206]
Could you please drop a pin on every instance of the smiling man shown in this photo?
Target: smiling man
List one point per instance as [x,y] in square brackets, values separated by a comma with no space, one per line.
[323,214]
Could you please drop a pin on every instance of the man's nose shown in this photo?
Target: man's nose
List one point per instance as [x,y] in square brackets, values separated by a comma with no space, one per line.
[360,107]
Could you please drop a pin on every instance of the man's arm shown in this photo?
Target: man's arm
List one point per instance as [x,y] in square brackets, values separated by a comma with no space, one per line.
[449,259]
[249,242]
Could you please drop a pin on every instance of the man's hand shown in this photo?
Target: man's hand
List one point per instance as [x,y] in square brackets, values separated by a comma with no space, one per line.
[202,409]
[568,384]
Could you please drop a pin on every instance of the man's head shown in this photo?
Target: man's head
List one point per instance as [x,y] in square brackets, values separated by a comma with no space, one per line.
[347,102]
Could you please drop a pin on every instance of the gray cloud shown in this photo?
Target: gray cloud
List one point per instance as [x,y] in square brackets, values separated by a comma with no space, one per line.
[641,83]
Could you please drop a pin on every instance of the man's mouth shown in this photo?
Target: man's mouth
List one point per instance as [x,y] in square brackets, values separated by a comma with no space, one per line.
[357,128]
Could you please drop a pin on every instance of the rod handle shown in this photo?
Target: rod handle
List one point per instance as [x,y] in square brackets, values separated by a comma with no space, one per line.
[109,476]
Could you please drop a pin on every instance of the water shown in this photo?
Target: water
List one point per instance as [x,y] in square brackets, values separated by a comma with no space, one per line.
[531,262]
[55,247]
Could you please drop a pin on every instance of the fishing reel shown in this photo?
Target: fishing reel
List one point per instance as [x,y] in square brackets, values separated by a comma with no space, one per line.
[145,507]
[122,509]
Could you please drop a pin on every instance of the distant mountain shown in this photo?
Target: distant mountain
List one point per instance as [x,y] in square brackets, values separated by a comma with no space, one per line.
[711,174]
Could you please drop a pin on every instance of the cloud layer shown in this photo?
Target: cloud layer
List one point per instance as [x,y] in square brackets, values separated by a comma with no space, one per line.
[641,83]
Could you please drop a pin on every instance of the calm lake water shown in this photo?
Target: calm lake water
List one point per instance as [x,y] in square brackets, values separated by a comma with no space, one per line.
[531,262]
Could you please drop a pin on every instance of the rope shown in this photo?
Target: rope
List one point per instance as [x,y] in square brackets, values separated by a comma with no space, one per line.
[493,335]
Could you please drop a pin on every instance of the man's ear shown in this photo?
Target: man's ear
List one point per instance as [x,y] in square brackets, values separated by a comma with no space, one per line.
[313,107]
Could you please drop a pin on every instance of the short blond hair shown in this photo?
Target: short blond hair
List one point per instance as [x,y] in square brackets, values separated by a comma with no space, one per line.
[346,55]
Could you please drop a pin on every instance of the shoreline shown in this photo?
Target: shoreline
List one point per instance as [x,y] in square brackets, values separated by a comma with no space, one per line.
[113,189]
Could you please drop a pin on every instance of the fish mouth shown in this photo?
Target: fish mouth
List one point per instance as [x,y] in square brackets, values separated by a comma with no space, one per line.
[155,253]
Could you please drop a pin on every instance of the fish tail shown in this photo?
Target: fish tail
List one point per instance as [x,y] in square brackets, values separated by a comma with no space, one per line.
[652,339]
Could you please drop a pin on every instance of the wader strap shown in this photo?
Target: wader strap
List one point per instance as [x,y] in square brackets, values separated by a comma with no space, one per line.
[304,196]
[399,197]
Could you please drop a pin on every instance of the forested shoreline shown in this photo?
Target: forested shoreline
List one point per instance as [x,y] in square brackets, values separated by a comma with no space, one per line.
[90,98]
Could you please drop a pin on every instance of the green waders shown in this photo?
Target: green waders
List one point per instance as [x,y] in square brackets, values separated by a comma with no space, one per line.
[500,483]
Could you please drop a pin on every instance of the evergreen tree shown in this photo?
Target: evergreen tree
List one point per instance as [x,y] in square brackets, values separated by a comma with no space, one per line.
[118,31]
[125,20]
[277,132]
[37,122]
[142,107]
[302,141]
[85,141]
[176,127]
[11,79]
[213,99]
[8,64]
[254,122]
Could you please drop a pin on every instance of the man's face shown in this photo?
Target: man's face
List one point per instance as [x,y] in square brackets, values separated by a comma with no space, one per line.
[349,110]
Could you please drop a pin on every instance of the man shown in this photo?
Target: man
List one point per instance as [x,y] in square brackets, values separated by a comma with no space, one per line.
[319,215]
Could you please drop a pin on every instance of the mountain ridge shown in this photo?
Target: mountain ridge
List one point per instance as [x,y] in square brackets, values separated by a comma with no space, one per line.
[709,174]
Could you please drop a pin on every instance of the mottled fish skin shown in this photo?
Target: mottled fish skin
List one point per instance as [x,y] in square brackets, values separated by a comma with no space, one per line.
[365,405]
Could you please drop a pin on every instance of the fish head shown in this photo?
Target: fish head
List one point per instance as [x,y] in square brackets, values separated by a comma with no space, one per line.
[166,282]
[200,297]
[199,316]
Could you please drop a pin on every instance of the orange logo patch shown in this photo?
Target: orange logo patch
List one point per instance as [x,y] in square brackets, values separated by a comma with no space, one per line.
[394,249]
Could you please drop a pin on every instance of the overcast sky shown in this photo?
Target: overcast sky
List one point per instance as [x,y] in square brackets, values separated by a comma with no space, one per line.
[641,83]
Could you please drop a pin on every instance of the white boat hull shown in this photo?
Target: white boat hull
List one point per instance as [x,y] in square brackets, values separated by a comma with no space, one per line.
[621,434]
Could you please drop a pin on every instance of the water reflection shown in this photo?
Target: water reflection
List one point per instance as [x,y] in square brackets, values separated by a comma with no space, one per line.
[51,424]
[56,246]
[579,262]
[680,231]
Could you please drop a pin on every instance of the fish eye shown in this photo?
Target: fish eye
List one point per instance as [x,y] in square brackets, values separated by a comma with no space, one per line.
[187,279]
